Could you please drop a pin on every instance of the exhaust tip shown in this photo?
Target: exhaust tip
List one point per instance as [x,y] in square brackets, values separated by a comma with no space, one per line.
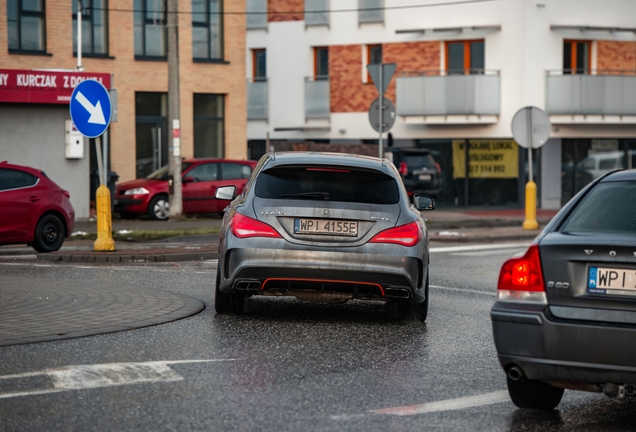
[515,373]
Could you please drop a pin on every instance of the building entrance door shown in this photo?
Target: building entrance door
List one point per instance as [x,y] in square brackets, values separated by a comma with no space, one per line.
[152,145]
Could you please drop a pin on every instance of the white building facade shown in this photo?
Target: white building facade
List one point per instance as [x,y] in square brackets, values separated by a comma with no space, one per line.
[463,70]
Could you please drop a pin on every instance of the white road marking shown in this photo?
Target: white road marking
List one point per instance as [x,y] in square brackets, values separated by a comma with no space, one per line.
[478,247]
[81,377]
[486,293]
[439,406]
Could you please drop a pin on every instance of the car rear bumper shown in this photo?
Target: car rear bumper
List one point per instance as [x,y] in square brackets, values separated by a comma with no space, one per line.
[552,349]
[347,268]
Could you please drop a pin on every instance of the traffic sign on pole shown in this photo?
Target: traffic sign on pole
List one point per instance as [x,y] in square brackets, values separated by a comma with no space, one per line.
[90,108]
[388,115]
[388,69]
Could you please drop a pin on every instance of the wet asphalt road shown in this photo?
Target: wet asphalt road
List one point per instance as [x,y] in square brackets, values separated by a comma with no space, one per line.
[290,365]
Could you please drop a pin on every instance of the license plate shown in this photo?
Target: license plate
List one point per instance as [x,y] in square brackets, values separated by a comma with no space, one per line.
[326,226]
[603,280]
[425,177]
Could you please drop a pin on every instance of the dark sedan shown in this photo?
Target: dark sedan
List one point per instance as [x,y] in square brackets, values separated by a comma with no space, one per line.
[326,228]
[565,317]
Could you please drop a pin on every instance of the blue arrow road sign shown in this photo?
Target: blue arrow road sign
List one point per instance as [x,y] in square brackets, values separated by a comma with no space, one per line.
[90,108]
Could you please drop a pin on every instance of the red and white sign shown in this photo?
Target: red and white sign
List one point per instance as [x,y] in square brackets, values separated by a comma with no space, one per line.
[43,87]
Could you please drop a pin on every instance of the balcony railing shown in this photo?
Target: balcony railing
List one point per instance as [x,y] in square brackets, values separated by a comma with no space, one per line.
[317,97]
[316,12]
[604,93]
[443,93]
[256,17]
[257,99]
[370,11]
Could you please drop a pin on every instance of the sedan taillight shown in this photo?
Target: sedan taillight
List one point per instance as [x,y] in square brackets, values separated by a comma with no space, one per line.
[521,279]
[243,227]
[404,235]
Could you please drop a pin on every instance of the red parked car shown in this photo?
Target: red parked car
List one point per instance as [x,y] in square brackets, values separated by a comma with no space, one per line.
[200,180]
[35,210]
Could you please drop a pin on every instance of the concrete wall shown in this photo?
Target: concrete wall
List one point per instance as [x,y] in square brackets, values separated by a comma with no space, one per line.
[35,136]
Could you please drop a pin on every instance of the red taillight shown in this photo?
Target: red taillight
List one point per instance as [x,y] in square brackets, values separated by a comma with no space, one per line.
[404,168]
[66,193]
[438,167]
[405,235]
[522,274]
[243,226]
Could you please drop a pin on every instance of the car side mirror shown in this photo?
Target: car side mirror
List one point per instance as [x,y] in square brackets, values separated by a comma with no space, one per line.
[188,179]
[423,202]
[226,193]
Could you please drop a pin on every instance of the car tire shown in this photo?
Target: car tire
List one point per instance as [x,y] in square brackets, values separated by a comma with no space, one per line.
[421,309]
[159,208]
[49,234]
[227,303]
[532,394]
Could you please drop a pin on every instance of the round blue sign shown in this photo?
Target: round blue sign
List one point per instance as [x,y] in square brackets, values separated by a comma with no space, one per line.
[90,108]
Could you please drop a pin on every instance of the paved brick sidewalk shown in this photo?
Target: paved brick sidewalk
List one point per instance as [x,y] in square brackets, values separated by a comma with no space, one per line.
[68,309]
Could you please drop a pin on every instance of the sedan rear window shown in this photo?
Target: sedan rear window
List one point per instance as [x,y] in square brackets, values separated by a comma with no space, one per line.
[329,184]
[608,208]
[415,161]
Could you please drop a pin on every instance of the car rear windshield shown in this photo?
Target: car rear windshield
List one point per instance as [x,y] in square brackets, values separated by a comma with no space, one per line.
[329,184]
[415,161]
[608,208]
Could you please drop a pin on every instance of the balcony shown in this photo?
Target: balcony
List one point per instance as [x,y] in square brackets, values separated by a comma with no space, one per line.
[317,97]
[256,17]
[440,97]
[257,99]
[370,11]
[316,13]
[604,97]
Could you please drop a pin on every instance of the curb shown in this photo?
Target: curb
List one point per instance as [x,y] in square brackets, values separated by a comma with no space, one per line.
[109,257]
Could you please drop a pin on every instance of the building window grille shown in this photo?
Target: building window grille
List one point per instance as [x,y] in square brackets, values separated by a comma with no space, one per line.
[26,23]
[207,29]
[316,12]
[209,130]
[94,27]
[256,14]
[151,39]
[370,11]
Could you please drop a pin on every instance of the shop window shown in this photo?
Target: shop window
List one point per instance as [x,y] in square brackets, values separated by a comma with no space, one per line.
[94,27]
[465,57]
[259,64]
[209,133]
[576,57]
[207,29]
[321,63]
[26,23]
[374,56]
[151,40]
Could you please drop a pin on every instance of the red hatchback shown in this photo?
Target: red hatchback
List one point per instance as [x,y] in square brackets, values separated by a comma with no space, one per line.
[200,180]
[35,210]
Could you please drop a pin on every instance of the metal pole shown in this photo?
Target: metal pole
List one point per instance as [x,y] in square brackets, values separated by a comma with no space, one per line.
[380,121]
[100,164]
[79,36]
[529,133]
[105,157]
[530,223]
[174,100]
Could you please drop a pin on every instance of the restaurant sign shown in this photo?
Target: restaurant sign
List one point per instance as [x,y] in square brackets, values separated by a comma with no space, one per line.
[43,86]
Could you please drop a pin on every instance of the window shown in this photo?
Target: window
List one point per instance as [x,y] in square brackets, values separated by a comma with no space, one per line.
[374,56]
[259,64]
[207,29]
[94,27]
[370,11]
[232,171]
[321,63]
[26,25]
[316,12]
[151,39]
[256,14]
[205,172]
[14,179]
[209,134]
[465,57]
[576,57]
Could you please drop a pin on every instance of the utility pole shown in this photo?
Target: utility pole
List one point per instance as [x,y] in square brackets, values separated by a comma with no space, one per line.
[174,121]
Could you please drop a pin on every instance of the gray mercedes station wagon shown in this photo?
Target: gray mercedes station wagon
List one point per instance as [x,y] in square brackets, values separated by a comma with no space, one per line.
[326,228]
[565,317]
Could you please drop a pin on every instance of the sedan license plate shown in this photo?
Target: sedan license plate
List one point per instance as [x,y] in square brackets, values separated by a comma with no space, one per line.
[602,280]
[425,177]
[326,226]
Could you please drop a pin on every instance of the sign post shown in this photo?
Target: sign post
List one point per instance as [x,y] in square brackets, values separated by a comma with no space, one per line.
[91,112]
[531,129]
[381,74]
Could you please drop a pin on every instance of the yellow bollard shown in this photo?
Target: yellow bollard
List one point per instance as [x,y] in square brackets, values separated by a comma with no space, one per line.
[531,207]
[104,240]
